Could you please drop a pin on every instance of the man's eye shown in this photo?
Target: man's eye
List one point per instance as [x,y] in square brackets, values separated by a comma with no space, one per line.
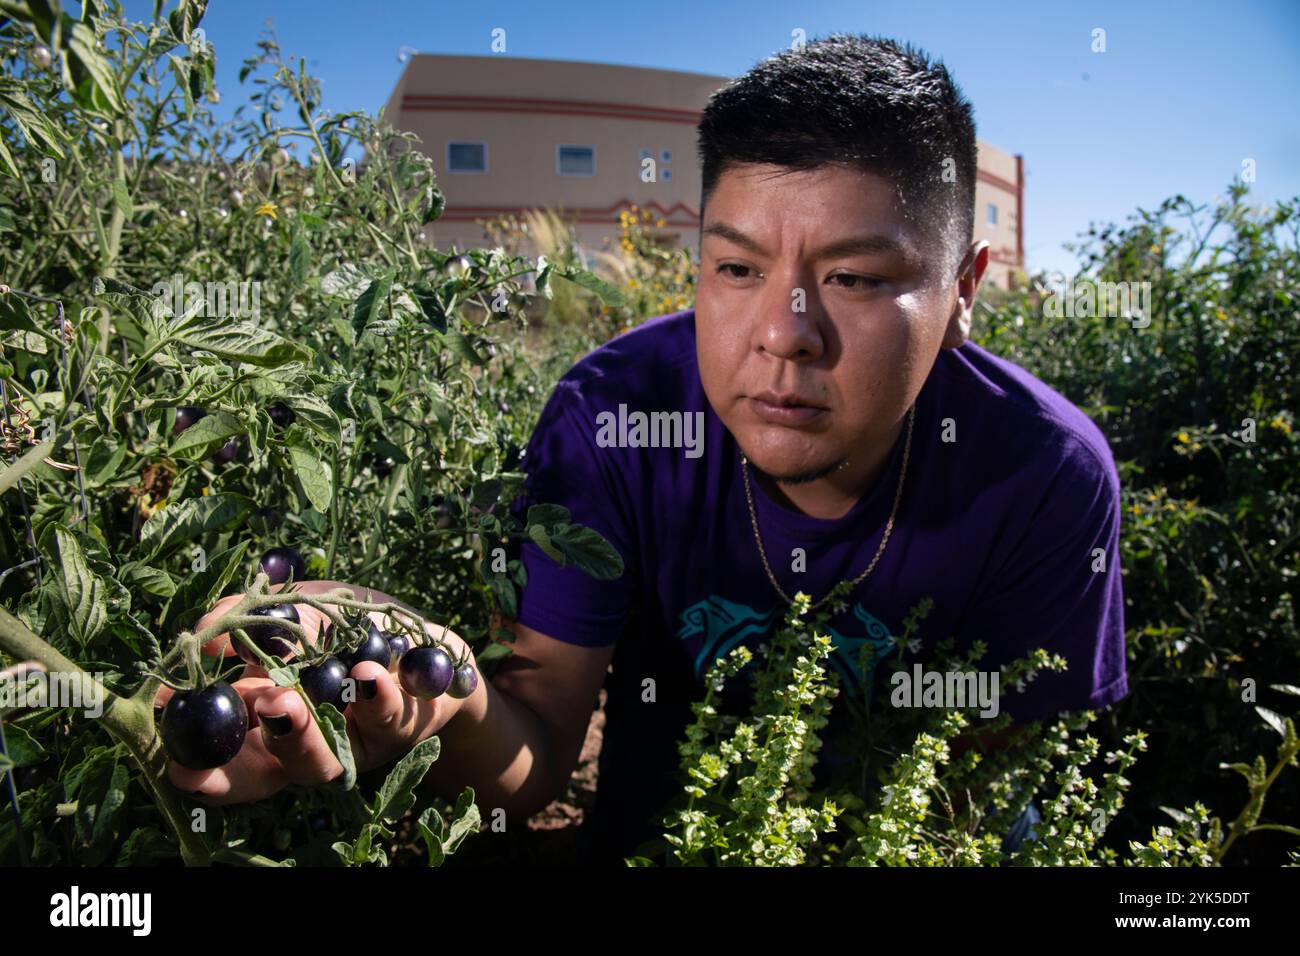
[733,265]
[858,283]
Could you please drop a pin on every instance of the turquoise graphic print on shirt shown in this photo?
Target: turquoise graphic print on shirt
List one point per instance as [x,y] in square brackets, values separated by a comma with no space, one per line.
[713,626]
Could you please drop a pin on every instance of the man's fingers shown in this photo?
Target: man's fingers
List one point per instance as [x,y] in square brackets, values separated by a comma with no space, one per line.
[254,774]
[293,738]
[384,719]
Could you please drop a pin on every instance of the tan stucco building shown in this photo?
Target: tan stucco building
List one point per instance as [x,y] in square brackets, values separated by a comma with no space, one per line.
[507,134]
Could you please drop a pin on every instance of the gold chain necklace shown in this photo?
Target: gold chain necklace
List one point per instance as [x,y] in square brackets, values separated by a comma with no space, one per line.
[889,525]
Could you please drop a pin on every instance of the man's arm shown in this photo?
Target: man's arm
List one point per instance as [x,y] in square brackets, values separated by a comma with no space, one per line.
[518,743]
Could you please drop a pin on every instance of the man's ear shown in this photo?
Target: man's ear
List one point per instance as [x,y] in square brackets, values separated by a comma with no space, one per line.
[968,278]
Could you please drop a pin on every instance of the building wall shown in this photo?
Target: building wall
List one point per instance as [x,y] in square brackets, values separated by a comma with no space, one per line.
[523,109]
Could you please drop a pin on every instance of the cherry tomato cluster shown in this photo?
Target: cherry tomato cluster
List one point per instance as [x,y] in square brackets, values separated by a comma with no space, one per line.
[203,728]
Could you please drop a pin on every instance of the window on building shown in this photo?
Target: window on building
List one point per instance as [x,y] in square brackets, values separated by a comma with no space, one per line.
[467,157]
[575,160]
[993,215]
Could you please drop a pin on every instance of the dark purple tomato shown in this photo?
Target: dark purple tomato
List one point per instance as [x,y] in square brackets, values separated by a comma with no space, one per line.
[425,672]
[227,452]
[186,415]
[399,644]
[373,648]
[384,467]
[463,681]
[324,682]
[270,638]
[442,517]
[281,414]
[202,729]
[318,822]
[278,562]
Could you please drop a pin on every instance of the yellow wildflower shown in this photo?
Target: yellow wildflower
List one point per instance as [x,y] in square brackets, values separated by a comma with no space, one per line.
[267,209]
[1184,437]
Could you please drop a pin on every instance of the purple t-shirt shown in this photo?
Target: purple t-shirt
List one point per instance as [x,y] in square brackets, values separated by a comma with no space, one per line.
[998,527]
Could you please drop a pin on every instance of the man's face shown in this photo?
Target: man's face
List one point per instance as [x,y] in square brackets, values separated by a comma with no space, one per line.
[819,313]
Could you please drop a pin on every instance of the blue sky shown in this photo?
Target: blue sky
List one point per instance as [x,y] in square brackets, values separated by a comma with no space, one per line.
[1184,92]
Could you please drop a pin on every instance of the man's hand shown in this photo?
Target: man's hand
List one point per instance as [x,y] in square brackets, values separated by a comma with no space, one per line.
[284,745]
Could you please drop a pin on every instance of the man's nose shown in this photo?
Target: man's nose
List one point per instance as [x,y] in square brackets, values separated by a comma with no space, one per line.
[790,327]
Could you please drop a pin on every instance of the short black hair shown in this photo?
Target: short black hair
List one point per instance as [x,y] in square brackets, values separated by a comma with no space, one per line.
[869,102]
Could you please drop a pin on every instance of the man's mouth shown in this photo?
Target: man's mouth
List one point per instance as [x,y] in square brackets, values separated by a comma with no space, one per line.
[787,408]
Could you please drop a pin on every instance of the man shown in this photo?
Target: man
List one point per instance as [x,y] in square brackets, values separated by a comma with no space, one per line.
[848,431]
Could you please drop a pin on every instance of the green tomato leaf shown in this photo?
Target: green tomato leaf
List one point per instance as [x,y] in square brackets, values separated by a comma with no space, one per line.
[95,84]
[199,589]
[188,520]
[427,298]
[609,294]
[205,435]
[14,314]
[432,203]
[589,551]
[103,460]
[464,821]
[283,676]
[146,847]
[1273,719]
[397,795]
[34,125]
[431,831]
[335,730]
[245,342]
[548,514]
[313,473]
[370,305]
[459,346]
[543,541]
[181,68]
[24,750]
[316,414]
[7,163]
[153,580]
[83,593]
[299,258]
